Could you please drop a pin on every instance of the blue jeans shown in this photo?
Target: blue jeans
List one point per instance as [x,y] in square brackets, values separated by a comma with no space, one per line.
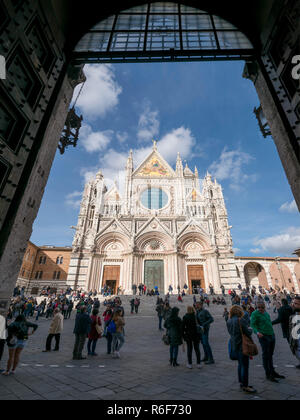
[268,343]
[118,341]
[173,353]
[160,322]
[93,344]
[243,369]
[109,338]
[206,347]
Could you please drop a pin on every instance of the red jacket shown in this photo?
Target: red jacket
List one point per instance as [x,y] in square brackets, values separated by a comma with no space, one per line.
[93,335]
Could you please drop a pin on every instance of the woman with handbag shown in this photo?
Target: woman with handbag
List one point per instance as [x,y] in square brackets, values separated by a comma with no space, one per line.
[95,333]
[174,326]
[240,336]
[191,335]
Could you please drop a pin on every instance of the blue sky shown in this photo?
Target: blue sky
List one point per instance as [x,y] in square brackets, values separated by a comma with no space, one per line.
[203,110]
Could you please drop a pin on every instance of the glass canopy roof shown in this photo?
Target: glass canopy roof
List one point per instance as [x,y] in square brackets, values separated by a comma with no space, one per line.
[162,32]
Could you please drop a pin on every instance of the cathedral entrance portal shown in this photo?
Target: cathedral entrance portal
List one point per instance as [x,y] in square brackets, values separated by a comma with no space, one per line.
[111,277]
[196,277]
[154,275]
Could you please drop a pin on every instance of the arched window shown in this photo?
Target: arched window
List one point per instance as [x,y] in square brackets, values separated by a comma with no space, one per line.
[162,30]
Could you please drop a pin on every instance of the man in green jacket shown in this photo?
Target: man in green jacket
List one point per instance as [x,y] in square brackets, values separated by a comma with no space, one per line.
[262,326]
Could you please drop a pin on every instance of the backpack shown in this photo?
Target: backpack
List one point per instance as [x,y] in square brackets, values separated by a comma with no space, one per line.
[111,328]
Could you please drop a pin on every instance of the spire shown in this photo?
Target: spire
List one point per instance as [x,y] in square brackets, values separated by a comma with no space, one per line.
[154,145]
[129,166]
[99,175]
[196,172]
[179,166]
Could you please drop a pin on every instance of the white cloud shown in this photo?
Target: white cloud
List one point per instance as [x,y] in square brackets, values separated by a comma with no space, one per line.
[122,137]
[148,127]
[101,92]
[94,141]
[230,167]
[289,207]
[283,244]
[74,199]
[236,250]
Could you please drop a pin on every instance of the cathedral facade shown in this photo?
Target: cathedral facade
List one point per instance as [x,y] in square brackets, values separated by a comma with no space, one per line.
[166,228]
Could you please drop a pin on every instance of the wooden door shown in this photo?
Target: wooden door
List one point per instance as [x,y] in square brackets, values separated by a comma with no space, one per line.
[196,276]
[111,277]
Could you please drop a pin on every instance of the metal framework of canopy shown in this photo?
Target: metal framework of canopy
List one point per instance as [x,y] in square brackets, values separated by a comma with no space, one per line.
[158,32]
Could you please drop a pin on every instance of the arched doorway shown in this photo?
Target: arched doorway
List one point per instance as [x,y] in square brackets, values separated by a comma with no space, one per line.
[282,277]
[43,36]
[255,275]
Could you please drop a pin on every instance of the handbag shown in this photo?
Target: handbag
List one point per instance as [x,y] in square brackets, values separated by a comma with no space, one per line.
[98,328]
[249,347]
[166,340]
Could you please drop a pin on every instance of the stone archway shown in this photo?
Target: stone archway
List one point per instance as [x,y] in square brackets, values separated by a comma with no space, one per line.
[61,24]
[255,275]
[282,277]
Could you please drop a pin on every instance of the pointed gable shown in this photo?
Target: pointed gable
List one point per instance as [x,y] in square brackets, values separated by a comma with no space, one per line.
[154,166]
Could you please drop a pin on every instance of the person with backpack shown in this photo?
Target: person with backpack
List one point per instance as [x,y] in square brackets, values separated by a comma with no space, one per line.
[95,333]
[116,328]
[237,325]
[191,335]
[18,333]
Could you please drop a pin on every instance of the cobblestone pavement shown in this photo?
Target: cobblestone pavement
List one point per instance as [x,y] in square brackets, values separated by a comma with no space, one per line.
[143,372]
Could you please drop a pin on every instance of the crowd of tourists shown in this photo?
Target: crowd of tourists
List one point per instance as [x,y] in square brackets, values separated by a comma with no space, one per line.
[248,316]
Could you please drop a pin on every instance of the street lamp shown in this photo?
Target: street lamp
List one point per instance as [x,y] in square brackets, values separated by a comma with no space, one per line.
[262,122]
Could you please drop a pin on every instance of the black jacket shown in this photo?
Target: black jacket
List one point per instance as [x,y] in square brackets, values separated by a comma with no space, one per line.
[83,324]
[284,314]
[189,328]
[174,327]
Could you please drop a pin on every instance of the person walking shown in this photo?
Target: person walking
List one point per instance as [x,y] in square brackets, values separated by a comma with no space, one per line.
[284,314]
[118,335]
[3,335]
[160,314]
[205,320]
[82,328]
[95,333]
[294,331]
[262,326]
[56,328]
[237,325]
[174,331]
[191,335]
[18,333]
